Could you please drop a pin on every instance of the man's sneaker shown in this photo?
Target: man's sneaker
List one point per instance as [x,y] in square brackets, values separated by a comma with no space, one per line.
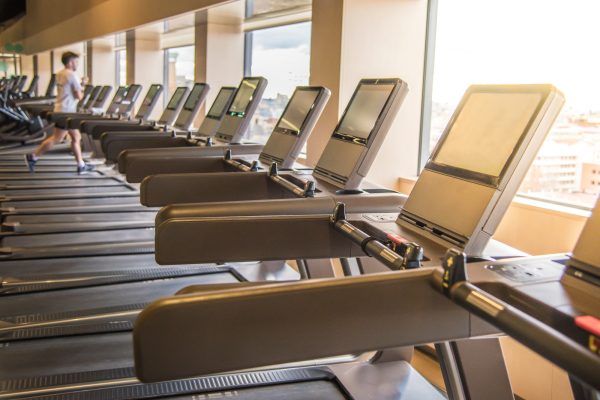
[85,168]
[30,161]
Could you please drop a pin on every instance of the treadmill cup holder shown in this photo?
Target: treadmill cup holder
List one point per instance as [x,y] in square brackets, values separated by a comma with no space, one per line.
[551,344]
[302,188]
[242,166]
[407,256]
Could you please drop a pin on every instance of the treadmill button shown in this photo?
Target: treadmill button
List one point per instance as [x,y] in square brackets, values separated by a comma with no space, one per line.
[588,323]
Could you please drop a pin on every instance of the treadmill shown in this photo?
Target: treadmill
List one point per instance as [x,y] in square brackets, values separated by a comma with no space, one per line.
[27,276]
[79,361]
[500,127]
[375,104]
[186,116]
[141,115]
[113,145]
[284,146]
[229,132]
[79,200]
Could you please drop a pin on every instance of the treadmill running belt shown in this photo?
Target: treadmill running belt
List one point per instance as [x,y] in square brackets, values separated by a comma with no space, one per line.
[71,191]
[291,384]
[82,299]
[41,283]
[59,240]
[100,201]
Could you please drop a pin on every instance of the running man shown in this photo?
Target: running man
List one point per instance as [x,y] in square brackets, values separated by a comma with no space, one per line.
[68,94]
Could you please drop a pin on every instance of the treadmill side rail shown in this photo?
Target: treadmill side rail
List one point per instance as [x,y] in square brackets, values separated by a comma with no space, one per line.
[198,334]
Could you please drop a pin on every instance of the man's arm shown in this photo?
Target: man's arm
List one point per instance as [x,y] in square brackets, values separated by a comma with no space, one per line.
[76,86]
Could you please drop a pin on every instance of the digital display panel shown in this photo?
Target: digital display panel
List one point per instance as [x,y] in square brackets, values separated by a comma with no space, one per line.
[243,97]
[362,113]
[193,98]
[218,106]
[176,98]
[486,132]
[297,110]
[151,94]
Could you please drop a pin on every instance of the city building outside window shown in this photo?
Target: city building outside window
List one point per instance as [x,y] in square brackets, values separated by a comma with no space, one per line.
[282,55]
[532,41]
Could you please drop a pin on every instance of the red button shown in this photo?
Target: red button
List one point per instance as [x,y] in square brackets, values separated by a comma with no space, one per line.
[589,323]
[396,239]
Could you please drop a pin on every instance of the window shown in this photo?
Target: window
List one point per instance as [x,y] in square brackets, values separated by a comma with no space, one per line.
[121,67]
[260,7]
[516,41]
[179,68]
[120,59]
[282,55]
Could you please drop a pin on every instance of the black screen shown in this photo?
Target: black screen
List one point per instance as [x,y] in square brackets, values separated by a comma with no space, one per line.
[297,110]
[151,94]
[176,98]
[243,97]
[361,115]
[218,107]
[193,98]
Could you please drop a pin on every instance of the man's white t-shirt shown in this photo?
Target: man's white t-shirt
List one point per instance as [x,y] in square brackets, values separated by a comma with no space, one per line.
[67,84]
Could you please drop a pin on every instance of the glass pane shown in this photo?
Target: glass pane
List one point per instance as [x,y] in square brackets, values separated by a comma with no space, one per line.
[254,7]
[121,59]
[183,21]
[282,55]
[179,68]
[516,41]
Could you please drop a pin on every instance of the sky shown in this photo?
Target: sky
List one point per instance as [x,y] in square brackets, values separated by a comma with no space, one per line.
[519,41]
[282,55]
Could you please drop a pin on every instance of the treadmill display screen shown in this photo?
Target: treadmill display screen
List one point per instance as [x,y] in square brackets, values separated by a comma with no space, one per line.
[296,111]
[243,97]
[132,92]
[361,115]
[487,130]
[119,95]
[218,106]
[193,98]
[176,98]
[151,95]
[104,92]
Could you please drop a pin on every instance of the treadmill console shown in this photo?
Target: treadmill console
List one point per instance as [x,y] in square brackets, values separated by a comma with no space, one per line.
[126,105]
[215,115]
[483,155]
[149,102]
[237,119]
[191,106]
[352,148]
[173,106]
[113,107]
[101,97]
[295,125]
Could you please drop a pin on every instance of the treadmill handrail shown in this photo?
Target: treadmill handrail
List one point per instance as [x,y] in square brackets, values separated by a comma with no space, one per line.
[198,334]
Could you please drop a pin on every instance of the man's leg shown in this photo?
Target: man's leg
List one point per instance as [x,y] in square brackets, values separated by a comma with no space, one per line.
[57,137]
[76,145]
[82,167]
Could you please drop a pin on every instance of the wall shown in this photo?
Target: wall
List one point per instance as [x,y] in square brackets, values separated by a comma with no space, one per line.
[54,23]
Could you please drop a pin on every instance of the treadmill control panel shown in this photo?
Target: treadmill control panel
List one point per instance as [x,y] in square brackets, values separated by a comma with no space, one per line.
[527,272]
